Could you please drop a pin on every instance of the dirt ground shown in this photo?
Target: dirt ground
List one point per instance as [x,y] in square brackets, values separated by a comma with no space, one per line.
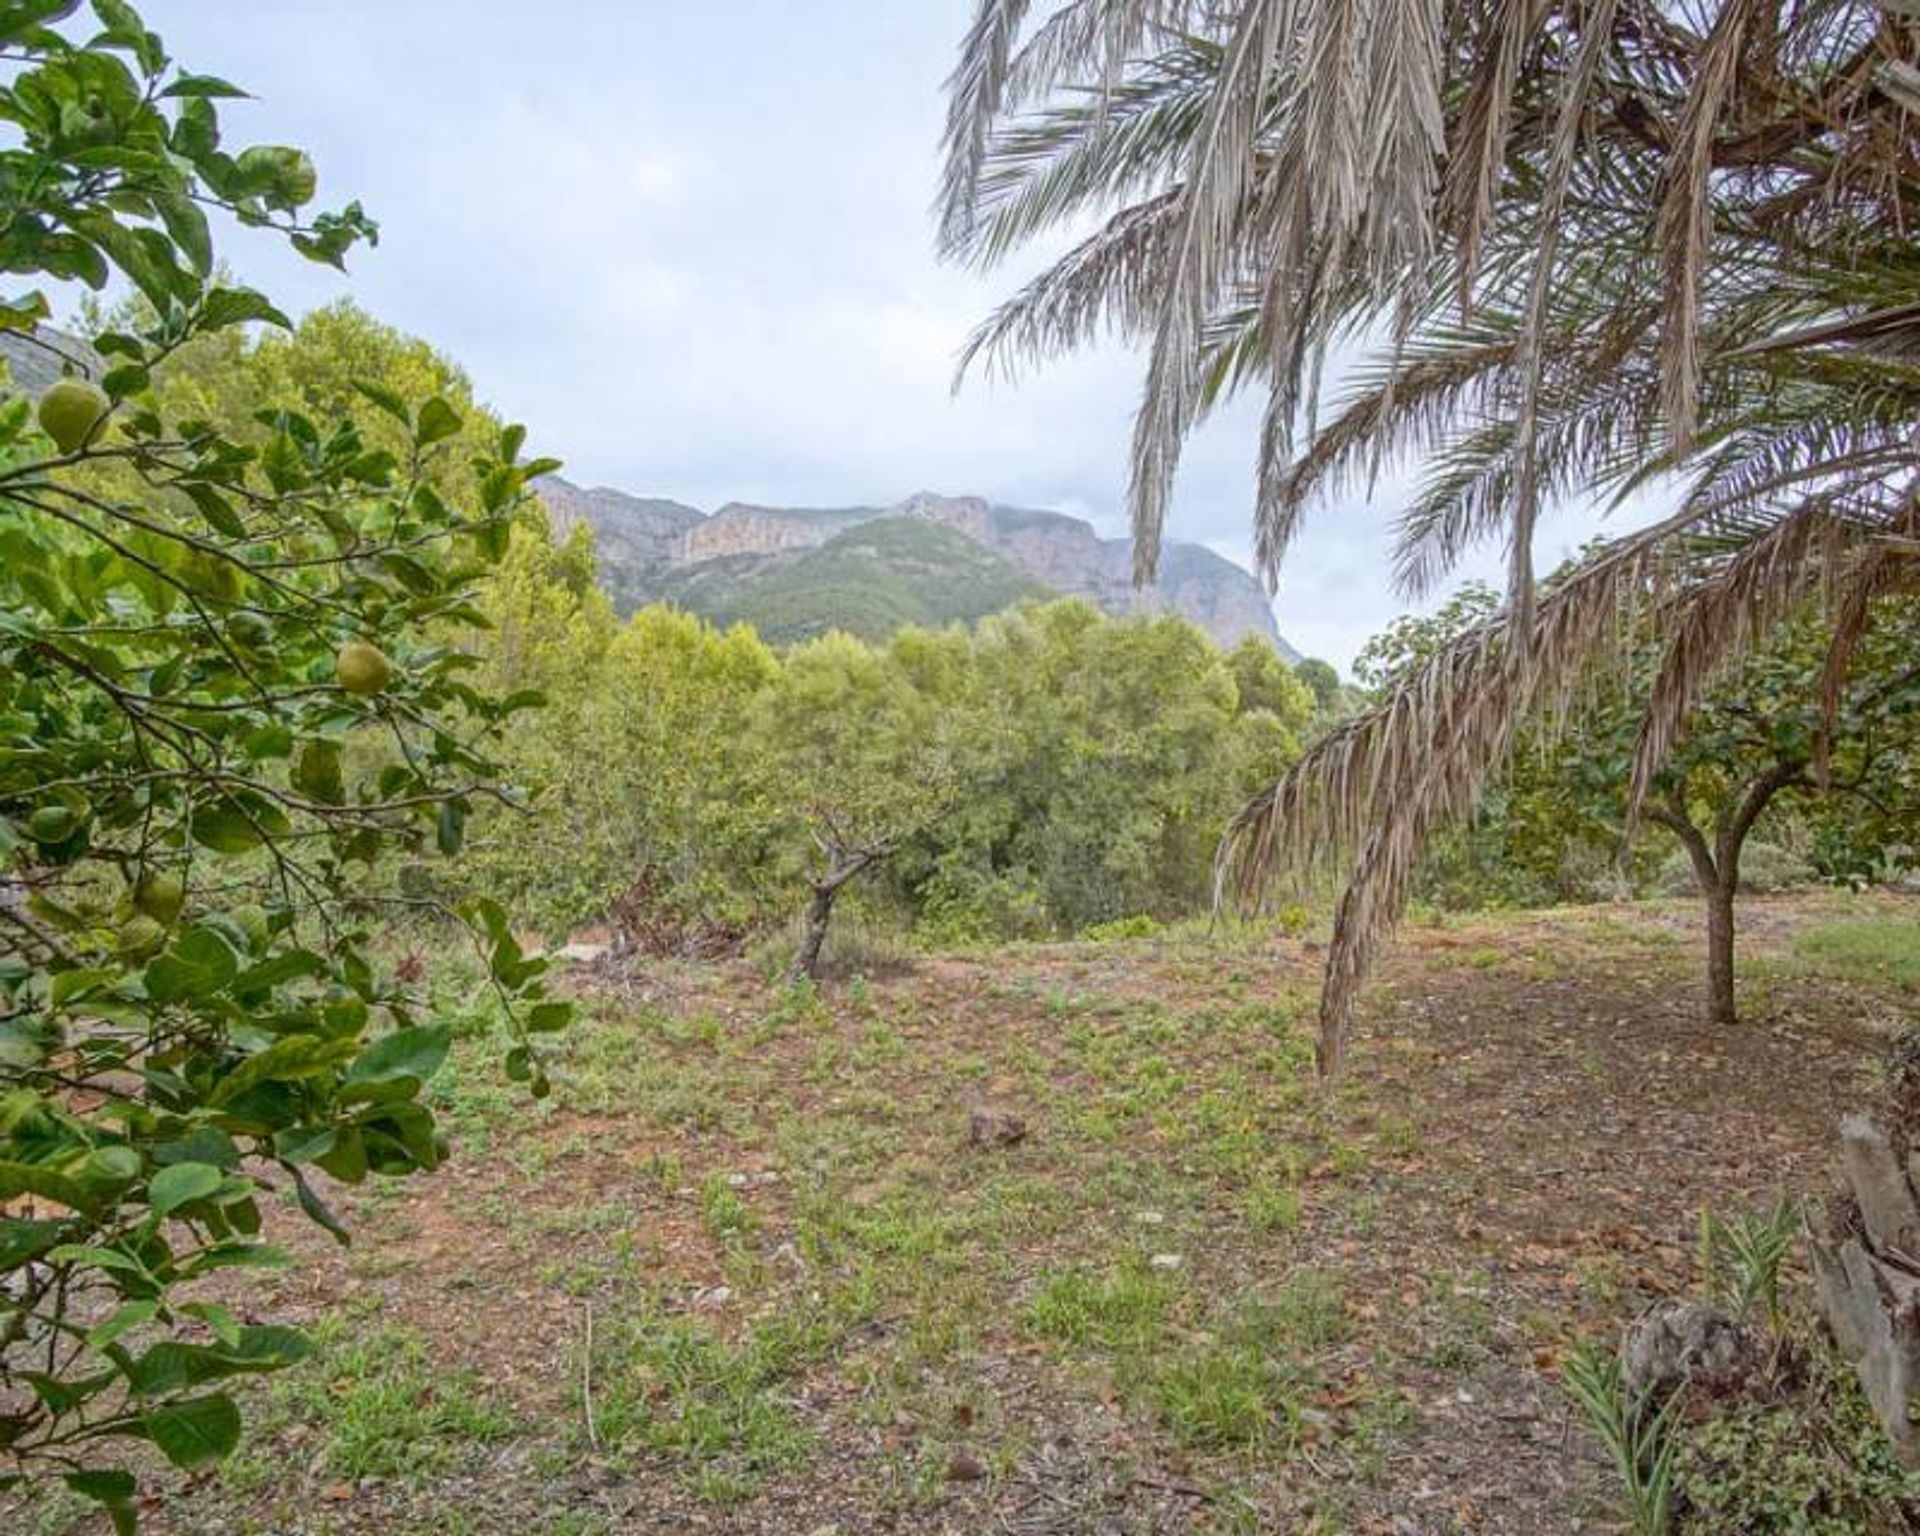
[749,1270]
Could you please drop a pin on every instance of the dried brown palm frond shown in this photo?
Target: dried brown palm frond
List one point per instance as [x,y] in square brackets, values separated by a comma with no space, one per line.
[1086,42]
[1892,562]
[1350,153]
[1374,790]
[1804,485]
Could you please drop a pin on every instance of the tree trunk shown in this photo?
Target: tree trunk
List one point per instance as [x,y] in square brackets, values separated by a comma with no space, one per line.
[842,866]
[1720,1003]
[813,938]
[1716,869]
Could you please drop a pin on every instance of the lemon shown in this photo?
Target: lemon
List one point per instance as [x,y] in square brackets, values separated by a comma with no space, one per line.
[252,920]
[363,669]
[70,411]
[141,936]
[160,896]
[248,629]
[52,824]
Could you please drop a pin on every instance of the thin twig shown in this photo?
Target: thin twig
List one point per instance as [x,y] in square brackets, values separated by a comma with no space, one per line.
[586,1381]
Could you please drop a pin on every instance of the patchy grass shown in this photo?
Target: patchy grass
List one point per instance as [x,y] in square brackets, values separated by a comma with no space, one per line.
[746,1273]
[1878,951]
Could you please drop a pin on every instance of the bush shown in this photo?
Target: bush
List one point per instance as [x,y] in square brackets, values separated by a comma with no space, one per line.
[1139,926]
[1765,868]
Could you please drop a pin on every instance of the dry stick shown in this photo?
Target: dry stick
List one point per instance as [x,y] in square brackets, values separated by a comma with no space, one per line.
[586,1381]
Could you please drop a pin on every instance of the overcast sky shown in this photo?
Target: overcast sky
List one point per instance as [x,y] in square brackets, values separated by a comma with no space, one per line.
[688,242]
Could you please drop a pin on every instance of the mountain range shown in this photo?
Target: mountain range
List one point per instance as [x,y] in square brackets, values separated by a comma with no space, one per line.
[798,571]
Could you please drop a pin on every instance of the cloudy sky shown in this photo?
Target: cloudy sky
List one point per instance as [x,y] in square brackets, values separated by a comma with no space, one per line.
[688,243]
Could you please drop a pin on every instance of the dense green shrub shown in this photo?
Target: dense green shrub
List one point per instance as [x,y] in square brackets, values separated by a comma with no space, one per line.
[1046,770]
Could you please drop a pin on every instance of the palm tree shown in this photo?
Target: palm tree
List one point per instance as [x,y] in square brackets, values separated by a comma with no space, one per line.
[1605,248]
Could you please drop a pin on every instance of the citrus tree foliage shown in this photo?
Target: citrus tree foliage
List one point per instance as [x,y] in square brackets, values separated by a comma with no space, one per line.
[227,690]
[1554,825]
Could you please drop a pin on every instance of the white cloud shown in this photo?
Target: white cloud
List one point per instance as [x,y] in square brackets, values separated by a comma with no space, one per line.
[688,242]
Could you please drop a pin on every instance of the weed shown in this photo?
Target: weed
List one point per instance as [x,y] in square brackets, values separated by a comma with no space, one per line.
[1222,1397]
[1126,1309]
[1638,1437]
[726,1214]
[1271,1206]
[385,1406]
[673,1386]
[1740,1258]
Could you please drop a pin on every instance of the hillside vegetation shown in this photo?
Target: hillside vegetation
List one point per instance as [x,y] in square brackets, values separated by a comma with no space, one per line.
[871,580]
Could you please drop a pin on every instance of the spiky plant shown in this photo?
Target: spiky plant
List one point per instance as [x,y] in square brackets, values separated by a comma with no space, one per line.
[1608,248]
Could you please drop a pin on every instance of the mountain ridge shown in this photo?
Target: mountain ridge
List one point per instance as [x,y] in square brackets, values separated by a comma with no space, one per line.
[655,549]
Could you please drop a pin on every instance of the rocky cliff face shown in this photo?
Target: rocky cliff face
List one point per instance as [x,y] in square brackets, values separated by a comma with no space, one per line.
[651,548]
[740,529]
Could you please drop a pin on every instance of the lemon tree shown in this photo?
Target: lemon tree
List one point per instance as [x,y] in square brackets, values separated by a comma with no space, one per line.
[229,696]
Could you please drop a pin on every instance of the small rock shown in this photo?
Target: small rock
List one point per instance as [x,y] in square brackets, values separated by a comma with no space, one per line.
[1149,1218]
[962,1468]
[580,954]
[1166,1261]
[995,1128]
[739,1180]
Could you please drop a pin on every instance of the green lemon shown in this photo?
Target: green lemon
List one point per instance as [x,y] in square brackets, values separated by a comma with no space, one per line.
[141,937]
[52,824]
[70,411]
[160,896]
[363,669]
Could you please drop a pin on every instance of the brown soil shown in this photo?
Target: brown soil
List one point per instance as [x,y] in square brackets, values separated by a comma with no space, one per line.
[1535,1119]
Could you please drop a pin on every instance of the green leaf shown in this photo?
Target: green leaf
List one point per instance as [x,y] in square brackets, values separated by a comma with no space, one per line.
[316,772]
[199,965]
[216,509]
[188,226]
[21,1241]
[438,421]
[224,827]
[317,1209]
[288,1060]
[450,827]
[237,306]
[195,1432]
[181,1184]
[204,86]
[18,1179]
[387,400]
[87,1256]
[112,1489]
[18,18]
[406,1053]
[124,1320]
[104,1484]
